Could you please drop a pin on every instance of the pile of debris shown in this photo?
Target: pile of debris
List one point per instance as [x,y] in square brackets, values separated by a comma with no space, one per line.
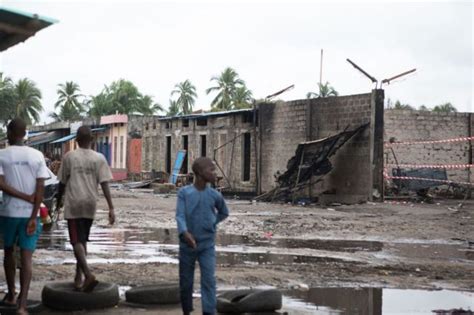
[308,166]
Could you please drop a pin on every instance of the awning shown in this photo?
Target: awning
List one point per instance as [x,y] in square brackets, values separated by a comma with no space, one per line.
[64,139]
[43,138]
[17,26]
[73,135]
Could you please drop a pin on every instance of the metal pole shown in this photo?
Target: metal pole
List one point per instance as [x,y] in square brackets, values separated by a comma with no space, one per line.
[321,70]
[298,176]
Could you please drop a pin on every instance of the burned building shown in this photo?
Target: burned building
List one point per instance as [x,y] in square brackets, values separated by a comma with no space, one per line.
[252,147]
[227,137]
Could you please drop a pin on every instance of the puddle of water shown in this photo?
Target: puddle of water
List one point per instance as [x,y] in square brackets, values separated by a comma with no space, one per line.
[133,246]
[373,301]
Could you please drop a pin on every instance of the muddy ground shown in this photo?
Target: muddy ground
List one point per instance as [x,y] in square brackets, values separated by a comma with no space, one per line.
[416,246]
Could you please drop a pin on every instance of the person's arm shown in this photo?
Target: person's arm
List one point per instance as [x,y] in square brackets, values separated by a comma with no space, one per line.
[108,197]
[63,177]
[181,220]
[59,196]
[39,193]
[222,210]
[15,193]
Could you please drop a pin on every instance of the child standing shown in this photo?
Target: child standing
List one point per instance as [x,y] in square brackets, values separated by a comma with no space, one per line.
[199,209]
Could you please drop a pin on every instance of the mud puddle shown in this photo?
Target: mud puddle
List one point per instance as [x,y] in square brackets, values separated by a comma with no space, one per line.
[135,246]
[374,301]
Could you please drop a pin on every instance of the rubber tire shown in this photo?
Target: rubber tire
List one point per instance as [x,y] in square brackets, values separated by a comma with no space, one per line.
[163,293]
[62,296]
[248,301]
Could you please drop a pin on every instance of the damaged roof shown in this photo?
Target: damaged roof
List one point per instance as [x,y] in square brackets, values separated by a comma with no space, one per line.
[209,114]
[17,26]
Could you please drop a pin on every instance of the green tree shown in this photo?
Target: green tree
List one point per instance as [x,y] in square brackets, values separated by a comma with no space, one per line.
[121,97]
[242,98]
[7,99]
[173,109]
[147,106]
[424,108]
[68,103]
[27,101]
[226,85]
[325,90]
[399,105]
[100,104]
[186,96]
[445,108]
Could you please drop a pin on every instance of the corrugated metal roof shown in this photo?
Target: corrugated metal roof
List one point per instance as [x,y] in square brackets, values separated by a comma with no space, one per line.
[17,26]
[73,135]
[43,138]
[209,114]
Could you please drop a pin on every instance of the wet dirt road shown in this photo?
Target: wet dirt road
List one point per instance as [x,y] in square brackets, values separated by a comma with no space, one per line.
[297,249]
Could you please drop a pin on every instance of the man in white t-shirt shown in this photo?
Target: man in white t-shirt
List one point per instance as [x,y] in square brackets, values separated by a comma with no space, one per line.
[22,174]
[80,174]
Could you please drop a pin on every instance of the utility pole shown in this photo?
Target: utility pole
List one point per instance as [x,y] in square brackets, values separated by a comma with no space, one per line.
[321,69]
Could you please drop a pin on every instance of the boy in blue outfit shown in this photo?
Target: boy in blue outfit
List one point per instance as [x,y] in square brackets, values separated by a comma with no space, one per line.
[199,209]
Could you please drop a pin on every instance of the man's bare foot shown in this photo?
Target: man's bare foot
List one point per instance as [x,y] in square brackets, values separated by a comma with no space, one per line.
[78,282]
[9,299]
[22,311]
[90,284]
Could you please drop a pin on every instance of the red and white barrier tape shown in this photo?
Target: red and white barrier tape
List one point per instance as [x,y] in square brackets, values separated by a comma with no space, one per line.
[443,181]
[438,166]
[461,139]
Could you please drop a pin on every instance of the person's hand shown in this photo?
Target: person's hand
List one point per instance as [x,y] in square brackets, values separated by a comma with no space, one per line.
[31,226]
[189,239]
[111,216]
[31,198]
[59,204]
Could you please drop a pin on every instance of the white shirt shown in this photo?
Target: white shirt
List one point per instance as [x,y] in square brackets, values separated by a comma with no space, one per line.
[20,166]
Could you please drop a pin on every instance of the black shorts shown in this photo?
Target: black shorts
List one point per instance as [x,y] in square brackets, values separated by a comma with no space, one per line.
[79,230]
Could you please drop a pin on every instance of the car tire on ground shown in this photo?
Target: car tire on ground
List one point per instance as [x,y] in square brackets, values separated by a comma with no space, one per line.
[248,301]
[62,296]
[163,293]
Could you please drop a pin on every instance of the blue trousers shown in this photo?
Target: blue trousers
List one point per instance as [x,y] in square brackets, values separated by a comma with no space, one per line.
[207,262]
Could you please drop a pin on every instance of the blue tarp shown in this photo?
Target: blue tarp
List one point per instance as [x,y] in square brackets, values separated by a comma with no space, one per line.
[177,166]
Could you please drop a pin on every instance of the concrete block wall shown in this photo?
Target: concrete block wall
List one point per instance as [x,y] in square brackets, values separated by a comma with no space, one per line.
[282,127]
[351,175]
[408,125]
[218,131]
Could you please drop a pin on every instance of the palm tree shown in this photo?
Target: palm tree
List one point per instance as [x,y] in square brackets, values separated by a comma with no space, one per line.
[27,101]
[445,108]
[242,98]
[325,90]
[227,83]
[70,108]
[173,109]
[147,106]
[100,104]
[399,105]
[187,94]
[7,98]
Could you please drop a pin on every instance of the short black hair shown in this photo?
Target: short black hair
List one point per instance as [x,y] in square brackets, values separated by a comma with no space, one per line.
[199,163]
[17,127]
[84,135]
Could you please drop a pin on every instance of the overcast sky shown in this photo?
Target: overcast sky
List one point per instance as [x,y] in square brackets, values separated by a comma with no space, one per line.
[270,44]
